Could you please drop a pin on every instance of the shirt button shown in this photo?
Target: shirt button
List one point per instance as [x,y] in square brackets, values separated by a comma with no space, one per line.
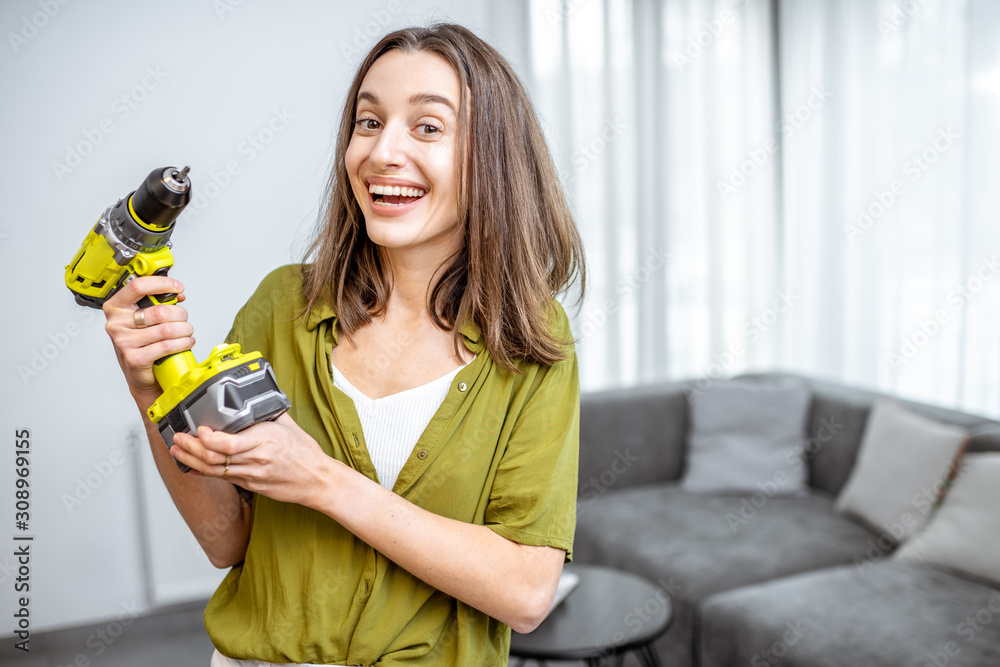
[422,454]
[462,386]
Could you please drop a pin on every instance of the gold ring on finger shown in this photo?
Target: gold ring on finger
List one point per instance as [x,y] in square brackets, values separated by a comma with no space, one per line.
[139,317]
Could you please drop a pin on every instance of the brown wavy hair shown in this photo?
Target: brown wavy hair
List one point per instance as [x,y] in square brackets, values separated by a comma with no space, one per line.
[520,248]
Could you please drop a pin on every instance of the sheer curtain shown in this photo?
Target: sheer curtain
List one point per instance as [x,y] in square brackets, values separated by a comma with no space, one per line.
[807,185]
[649,106]
[891,198]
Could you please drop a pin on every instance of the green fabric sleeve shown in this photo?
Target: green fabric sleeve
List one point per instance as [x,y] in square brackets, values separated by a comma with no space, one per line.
[533,499]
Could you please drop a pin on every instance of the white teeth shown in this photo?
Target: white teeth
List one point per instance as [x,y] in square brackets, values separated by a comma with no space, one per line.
[395,190]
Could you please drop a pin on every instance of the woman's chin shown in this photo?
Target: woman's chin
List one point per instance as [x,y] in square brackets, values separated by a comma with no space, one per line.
[405,235]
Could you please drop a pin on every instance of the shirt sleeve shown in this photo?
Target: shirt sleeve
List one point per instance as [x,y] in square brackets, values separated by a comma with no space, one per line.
[533,498]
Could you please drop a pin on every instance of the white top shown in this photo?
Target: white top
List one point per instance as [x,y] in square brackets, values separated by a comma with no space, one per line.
[393,424]
[219,660]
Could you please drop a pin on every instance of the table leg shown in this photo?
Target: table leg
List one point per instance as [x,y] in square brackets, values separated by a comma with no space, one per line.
[649,656]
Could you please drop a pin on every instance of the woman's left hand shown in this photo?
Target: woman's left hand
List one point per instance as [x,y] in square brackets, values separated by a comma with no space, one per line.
[276,459]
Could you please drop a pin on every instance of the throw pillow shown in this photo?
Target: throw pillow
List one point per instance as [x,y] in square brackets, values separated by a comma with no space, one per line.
[904,462]
[748,437]
[964,533]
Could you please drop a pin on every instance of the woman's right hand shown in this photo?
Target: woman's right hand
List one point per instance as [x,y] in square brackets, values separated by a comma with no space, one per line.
[202,502]
[166,331]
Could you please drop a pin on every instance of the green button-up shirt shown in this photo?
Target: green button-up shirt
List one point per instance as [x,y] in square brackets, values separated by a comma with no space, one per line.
[501,451]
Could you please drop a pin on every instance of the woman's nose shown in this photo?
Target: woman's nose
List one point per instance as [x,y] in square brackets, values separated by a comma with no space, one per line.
[390,148]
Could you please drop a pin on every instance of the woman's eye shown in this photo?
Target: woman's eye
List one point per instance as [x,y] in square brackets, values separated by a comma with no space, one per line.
[428,129]
[367,124]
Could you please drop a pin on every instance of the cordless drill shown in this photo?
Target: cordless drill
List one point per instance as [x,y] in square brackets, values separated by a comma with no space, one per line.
[229,391]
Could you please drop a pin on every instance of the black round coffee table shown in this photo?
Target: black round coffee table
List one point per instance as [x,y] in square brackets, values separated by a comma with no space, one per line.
[609,613]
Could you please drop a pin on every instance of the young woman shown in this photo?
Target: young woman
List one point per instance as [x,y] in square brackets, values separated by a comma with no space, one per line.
[419,498]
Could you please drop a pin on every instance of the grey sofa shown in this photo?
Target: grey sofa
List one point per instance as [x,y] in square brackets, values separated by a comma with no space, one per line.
[792,583]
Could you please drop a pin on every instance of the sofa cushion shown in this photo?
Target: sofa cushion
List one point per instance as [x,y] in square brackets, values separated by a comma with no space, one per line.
[902,466]
[748,436]
[693,545]
[892,614]
[964,533]
[701,544]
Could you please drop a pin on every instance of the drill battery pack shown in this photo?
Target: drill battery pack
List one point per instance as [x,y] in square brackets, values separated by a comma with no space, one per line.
[227,392]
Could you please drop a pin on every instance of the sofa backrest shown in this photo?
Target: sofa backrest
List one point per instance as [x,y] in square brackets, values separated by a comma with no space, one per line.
[837,419]
[632,436]
[638,435]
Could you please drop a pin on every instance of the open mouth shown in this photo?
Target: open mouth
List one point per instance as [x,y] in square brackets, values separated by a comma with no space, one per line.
[394,195]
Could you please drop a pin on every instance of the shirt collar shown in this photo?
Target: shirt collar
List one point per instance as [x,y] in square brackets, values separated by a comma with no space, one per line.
[321,311]
[324,311]
[472,335]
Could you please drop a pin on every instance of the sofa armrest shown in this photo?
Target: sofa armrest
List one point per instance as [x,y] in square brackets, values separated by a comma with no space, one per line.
[632,436]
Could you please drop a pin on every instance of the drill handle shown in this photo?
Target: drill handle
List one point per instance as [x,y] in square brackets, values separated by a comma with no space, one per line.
[156,299]
[169,369]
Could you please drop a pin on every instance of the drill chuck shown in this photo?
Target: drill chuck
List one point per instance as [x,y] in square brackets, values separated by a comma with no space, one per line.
[161,197]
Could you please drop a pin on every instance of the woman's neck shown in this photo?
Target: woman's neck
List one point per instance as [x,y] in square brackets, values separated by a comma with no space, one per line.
[412,275]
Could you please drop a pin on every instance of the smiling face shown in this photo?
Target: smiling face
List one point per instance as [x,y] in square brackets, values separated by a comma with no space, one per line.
[402,160]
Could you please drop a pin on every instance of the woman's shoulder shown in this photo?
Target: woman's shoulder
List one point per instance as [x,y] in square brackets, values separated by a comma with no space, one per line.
[287,278]
[559,325]
[558,319]
[279,293]
[282,285]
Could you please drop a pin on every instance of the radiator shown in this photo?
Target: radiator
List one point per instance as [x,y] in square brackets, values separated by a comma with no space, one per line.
[177,570]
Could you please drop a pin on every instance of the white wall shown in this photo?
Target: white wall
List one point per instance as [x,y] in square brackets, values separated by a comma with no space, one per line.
[184,82]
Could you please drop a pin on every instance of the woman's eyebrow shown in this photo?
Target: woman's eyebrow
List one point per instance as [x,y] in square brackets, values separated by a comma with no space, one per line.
[418,98]
[431,98]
